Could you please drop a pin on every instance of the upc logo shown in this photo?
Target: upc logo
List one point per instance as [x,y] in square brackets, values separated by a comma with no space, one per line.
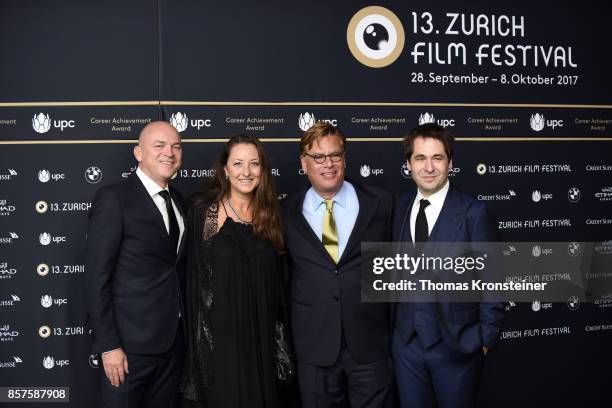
[179,121]
[306,121]
[364,170]
[46,301]
[426,118]
[536,251]
[429,118]
[537,196]
[48,362]
[41,123]
[44,238]
[537,122]
[44,176]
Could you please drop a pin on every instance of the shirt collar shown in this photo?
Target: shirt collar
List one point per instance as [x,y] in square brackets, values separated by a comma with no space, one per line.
[314,200]
[150,185]
[436,199]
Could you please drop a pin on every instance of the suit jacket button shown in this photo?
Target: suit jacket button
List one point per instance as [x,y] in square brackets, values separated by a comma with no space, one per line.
[336,297]
[336,272]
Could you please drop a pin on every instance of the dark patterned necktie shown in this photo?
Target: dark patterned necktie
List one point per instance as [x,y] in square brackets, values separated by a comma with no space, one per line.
[421,229]
[174,230]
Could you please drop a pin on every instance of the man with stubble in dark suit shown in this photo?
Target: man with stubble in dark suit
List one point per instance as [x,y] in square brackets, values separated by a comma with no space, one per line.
[135,276]
[439,348]
[342,345]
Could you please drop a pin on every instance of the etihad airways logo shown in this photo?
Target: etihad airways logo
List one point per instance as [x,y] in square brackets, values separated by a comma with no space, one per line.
[41,123]
[6,208]
[6,334]
[6,272]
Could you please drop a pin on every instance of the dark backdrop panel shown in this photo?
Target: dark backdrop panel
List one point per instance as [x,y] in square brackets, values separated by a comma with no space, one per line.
[278,51]
[550,354]
[73,50]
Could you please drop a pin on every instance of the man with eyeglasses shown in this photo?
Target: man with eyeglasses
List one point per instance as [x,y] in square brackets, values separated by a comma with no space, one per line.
[342,345]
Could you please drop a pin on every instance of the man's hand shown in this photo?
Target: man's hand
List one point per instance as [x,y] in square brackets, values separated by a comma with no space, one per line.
[485,350]
[115,366]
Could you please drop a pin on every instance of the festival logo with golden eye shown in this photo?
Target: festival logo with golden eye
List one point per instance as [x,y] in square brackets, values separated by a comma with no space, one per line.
[375,36]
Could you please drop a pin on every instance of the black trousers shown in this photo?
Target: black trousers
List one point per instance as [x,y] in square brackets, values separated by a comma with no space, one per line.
[152,381]
[347,383]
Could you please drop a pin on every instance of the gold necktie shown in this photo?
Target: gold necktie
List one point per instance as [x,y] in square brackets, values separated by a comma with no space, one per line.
[330,233]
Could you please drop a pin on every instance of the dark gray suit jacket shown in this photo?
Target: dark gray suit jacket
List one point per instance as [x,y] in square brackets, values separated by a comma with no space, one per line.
[325,297]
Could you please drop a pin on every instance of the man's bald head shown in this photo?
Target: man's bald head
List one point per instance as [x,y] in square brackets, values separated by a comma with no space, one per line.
[159,152]
[155,127]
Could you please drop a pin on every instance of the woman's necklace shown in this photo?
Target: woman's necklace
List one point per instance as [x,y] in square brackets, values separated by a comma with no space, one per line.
[236,213]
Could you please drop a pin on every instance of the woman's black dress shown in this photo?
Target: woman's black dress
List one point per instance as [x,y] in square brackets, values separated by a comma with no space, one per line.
[233,291]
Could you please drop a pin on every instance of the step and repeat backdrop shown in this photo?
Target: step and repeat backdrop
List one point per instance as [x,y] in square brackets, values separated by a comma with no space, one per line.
[525,86]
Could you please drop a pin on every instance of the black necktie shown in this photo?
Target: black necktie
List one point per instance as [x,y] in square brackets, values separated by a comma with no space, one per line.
[174,227]
[421,229]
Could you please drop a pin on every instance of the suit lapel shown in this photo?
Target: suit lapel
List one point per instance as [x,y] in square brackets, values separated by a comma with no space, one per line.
[179,204]
[143,194]
[367,208]
[301,224]
[404,230]
[445,227]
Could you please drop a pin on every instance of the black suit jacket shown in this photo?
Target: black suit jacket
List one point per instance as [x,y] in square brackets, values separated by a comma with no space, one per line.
[134,278]
[464,326]
[325,297]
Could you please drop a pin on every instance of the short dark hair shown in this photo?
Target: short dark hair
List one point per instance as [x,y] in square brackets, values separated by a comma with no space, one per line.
[316,132]
[433,131]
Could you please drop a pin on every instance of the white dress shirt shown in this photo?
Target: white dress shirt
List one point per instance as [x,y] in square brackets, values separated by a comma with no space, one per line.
[153,189]
[432,211]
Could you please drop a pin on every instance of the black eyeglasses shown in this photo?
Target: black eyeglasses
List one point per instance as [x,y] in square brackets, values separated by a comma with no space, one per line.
[320,158]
